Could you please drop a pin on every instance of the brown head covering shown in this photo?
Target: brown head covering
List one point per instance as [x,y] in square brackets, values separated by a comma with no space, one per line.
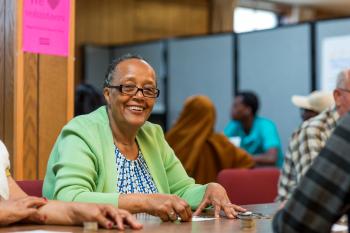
[202,151]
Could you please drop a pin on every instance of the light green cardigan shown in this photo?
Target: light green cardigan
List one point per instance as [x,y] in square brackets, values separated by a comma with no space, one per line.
[82,164]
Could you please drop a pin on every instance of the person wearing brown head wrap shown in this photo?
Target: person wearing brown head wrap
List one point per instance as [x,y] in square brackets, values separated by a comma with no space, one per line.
[202,151]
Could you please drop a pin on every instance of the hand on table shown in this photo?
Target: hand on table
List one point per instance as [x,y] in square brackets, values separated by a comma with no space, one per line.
[12,211]
[216,196]
[74,213]
[105,215]
[168,207]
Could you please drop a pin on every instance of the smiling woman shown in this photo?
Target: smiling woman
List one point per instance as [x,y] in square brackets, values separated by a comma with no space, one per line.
[113,155]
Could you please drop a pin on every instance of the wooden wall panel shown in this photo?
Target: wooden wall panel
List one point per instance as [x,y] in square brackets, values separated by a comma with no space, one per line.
[52,104]
[43,102]
[2,68]
[104,21]
[71,64]
[10,44]
[222,15]
[116,22]
[160,19]
[30,118]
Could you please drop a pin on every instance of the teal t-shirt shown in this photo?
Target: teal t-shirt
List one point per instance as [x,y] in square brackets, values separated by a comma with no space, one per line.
[262,137]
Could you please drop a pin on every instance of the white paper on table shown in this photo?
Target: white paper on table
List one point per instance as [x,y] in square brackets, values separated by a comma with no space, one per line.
[198,219]
[42,231]
[337,227]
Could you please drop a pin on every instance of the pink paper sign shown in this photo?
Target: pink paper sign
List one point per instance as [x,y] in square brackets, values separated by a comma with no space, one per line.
[46,26]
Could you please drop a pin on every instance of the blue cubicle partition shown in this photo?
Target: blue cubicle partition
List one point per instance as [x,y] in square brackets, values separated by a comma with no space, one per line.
[201,65]
[332,50]
[276,64]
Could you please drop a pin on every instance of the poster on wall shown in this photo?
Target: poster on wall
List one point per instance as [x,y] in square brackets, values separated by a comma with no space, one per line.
[335,58]
[46,26]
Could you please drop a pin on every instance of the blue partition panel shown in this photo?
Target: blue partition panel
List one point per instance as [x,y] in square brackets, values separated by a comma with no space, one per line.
[276,65]
[202,65]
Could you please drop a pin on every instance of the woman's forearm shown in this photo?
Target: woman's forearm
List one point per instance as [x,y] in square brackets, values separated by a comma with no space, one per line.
[56,213]
[135,203]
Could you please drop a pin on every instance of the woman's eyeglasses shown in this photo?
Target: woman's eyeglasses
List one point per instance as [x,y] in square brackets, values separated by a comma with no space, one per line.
[132,90]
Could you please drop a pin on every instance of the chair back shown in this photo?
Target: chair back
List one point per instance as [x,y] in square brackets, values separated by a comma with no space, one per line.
[31,187]
[250,186]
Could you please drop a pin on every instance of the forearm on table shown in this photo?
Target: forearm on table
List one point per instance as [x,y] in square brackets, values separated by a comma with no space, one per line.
[135,203]
[57,213]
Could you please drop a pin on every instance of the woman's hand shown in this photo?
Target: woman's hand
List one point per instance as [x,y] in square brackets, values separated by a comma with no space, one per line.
[19,209]
[74,213]
[106,215]
[216,196]
[168,207]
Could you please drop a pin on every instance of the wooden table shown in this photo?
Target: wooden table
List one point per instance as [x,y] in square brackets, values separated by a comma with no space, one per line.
[154,225]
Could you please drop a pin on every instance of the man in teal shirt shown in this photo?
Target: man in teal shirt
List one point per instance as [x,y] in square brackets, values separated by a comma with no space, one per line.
[257,135]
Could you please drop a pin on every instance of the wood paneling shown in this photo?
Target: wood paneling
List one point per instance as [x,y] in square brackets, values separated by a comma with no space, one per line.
[30,118]
[18,152]
[2,68]
[71,64]
[43,102]
[52,104]
[44,110]
[222,15]
[10,19]
[160,19]
[116,22]
[113,22]
[104,21]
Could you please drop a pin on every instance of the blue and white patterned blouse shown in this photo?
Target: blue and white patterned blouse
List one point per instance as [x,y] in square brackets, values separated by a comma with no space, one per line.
[133,175]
